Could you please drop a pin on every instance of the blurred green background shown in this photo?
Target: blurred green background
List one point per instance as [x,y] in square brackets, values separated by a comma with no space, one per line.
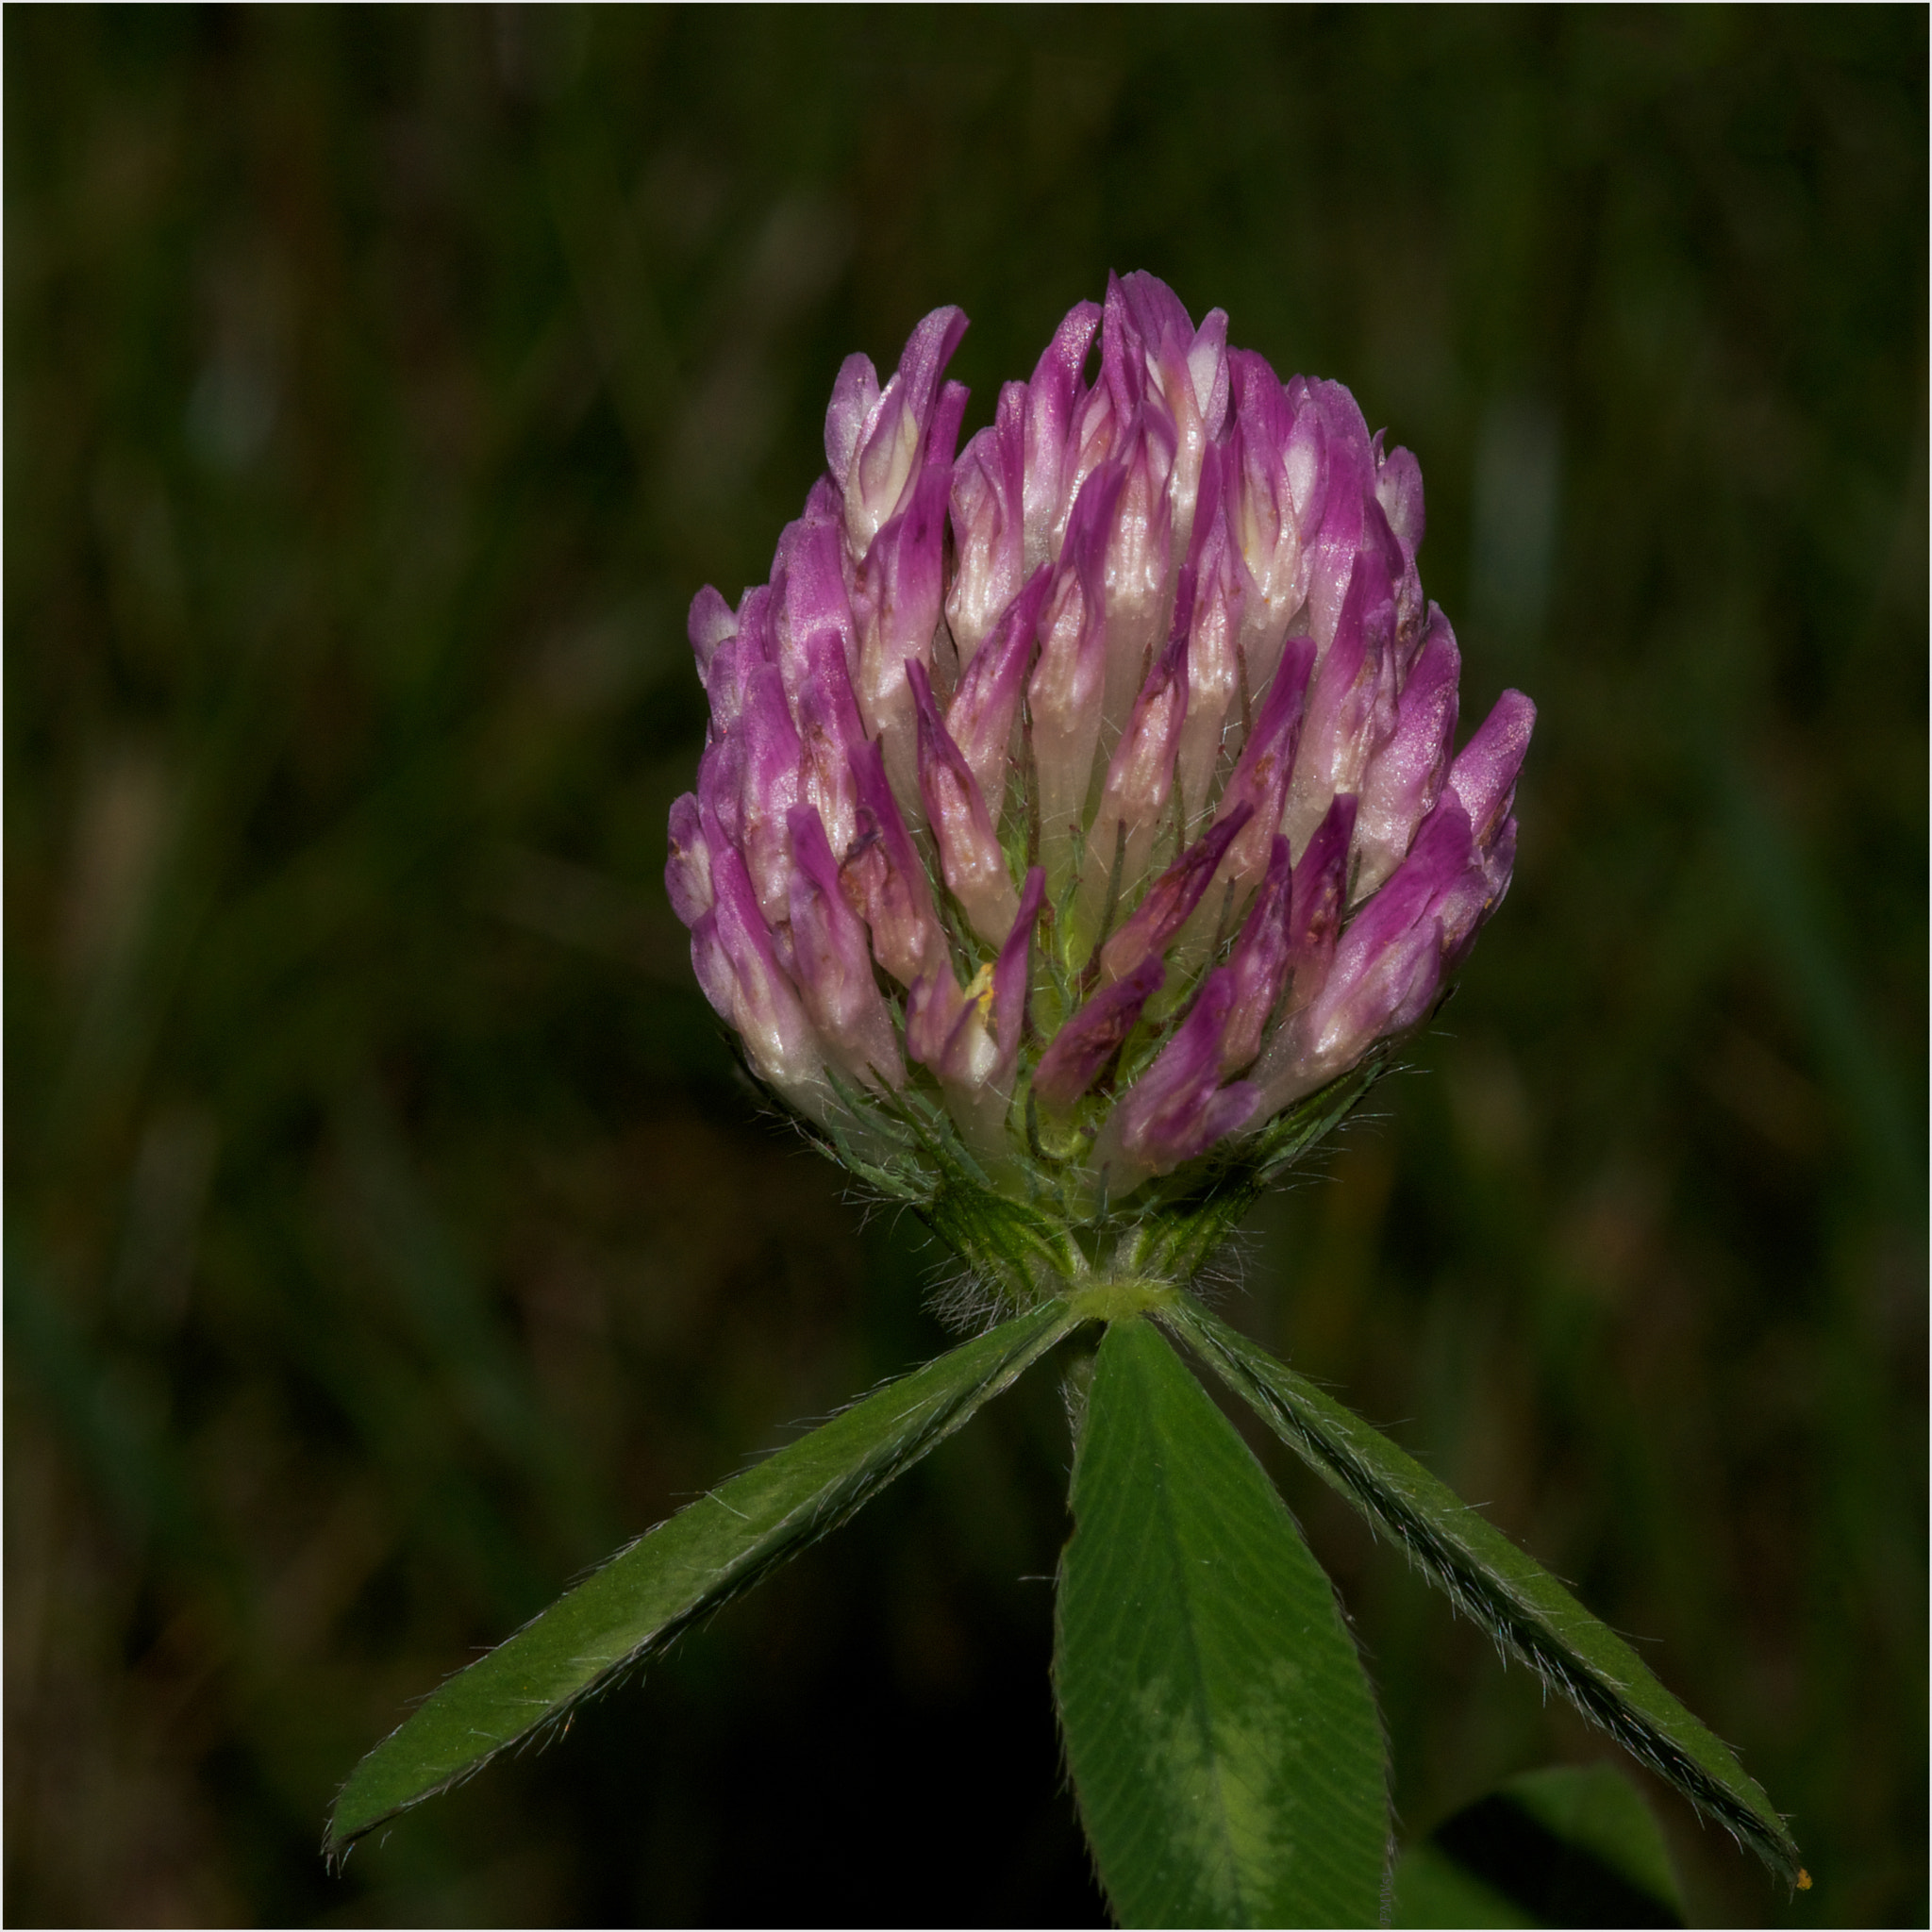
[388,1233]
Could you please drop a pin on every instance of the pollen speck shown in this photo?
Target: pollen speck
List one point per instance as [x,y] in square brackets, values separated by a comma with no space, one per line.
[981,990]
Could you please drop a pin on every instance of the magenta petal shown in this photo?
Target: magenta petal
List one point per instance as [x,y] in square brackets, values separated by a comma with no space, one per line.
[1267,518]
[1169,900]
[942,430]
[720,786]
[1214,631]
[1406,775]
[1173,343]
[893,443]
[1207,366]
[946,1030]
[900,580]
[882,877]
[1350,705]
[1497,861]
[1093,1035]
[989,523]
[1484,773]
[1188,366]
[712,622]
[734,657]
[1140,775]
[768,787]
[1389,965]
[765,1006]
[820,512]
[970,854]
[1010,975]
[1399,491]
[934,1009]
[1139,545]
[1207,529]
[833,962]
[1258,965]
[1320,897]
[1157,314]
[1186,370]
[1461,894]
[1143,766]
[1306,455]
[1053,470]
[855,396]
[687,871]
[928,349]
[1442,857]
[1178,1109]
[1375,994]
[1350,464]
[1122,353]
[1068,680]
[829,735]
[900,584]
[1261,780]
[815,600]
[714,969]
[986,700]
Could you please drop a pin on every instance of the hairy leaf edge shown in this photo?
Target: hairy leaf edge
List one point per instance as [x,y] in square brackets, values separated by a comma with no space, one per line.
[819,1516]
[1444,1543]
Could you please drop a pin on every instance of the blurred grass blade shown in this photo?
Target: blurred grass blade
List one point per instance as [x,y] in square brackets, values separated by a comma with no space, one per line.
[681,1570]
[1572,1846]
[1223,1738]
[1491,1581]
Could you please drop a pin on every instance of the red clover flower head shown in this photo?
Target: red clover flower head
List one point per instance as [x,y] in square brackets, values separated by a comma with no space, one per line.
[1080,819]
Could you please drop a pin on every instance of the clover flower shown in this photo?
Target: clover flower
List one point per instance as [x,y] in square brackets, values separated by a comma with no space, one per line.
[1080,819]
[1079,825]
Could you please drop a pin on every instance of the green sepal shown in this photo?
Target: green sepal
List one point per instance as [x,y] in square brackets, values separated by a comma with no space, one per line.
[1221,1736]
[1494,1584]
[1022,1251]
[685,1568]
[1032,1233]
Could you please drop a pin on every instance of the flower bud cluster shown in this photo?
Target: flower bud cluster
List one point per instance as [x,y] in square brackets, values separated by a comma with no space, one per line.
[1076,803]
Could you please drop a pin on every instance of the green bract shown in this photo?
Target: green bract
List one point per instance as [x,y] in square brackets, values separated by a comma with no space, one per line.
[1029,1240]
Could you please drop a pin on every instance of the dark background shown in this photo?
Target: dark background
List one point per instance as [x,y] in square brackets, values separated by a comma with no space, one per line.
[388,1233]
